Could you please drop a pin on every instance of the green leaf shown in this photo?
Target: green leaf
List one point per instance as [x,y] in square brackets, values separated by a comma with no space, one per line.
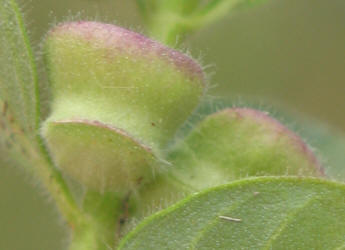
[259,213]
[20,142]
[18,76]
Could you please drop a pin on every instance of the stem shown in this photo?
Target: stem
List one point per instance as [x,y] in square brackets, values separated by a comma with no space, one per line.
[86,237]
[170,26]
[29,152]
[101,226]
[51,178]
[94,226]
[167,28]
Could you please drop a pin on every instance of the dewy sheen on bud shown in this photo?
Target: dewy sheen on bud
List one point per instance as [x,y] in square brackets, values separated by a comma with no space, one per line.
[118,98]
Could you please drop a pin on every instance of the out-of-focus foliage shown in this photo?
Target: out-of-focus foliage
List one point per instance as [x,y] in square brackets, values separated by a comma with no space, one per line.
[170,20]
[18,76]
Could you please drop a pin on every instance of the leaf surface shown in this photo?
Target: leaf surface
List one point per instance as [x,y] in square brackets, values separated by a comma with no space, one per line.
[18,76]
[258,213]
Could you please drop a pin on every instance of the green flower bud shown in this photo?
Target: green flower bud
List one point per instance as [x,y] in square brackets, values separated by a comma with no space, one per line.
[240,142]
[118,98]
[226,146]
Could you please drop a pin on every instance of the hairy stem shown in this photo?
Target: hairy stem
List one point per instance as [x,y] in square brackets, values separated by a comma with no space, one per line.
[51,178]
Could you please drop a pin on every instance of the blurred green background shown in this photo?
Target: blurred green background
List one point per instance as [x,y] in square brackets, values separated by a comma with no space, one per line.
[288,54]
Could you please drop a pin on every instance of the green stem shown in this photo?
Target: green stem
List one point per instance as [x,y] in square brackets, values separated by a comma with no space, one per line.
[52,180]
[87,237]
[167,27]
[101,226]
[25,151]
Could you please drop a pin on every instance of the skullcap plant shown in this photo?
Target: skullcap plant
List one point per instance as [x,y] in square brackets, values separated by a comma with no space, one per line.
[239,179]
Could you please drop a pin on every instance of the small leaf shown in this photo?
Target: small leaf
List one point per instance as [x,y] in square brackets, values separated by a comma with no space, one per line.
[18,76]
[259,213]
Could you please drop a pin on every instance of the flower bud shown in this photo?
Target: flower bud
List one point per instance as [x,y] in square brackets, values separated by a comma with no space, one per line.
[226,146]
[118,98]
[237,143]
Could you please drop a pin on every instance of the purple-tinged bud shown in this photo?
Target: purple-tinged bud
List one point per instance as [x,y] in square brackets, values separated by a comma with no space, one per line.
[237,143]
[116,80]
